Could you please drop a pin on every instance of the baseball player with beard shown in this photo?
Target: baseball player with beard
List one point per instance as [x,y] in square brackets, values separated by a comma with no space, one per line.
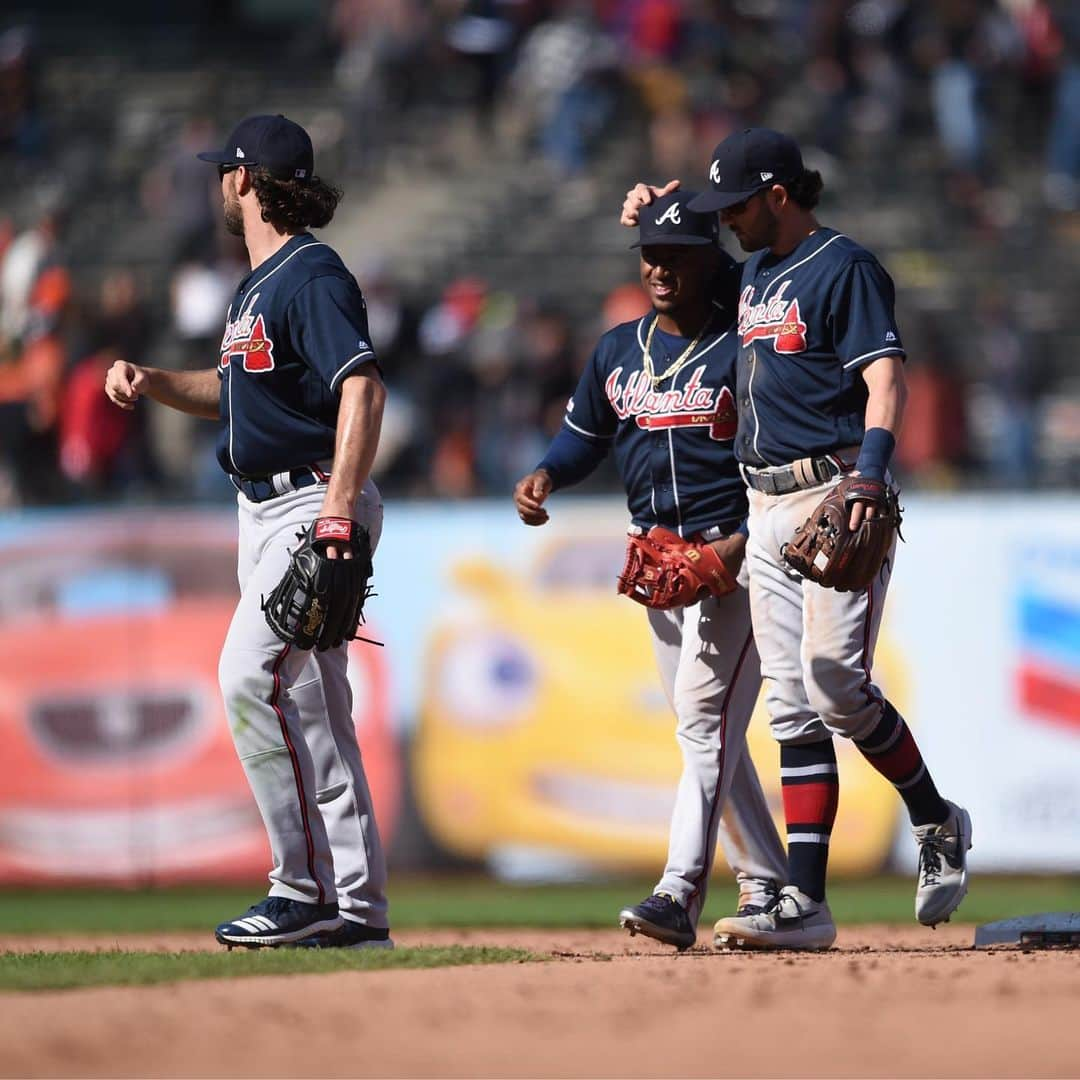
[820,395]
[299,398]
[658,392]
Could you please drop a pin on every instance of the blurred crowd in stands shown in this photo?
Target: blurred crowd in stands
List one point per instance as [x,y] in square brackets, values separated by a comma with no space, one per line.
[480,372]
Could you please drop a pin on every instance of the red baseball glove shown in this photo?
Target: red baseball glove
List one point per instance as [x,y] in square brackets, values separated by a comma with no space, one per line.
[664,571]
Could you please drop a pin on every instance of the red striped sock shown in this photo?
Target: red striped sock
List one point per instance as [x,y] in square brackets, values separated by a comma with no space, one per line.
[811,789]
[892,750]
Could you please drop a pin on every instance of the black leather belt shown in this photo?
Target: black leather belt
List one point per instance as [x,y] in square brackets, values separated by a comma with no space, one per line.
[805,473]
[261,488]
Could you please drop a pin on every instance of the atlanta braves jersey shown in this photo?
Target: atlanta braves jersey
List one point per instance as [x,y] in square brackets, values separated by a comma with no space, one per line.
[807,323]
[295,329]
[672,438]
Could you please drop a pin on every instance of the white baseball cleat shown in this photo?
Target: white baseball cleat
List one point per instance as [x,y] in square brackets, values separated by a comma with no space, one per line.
[943,877]
[794,921]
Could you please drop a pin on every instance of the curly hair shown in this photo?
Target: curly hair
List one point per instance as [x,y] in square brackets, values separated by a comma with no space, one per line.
[805,189]
[295,204]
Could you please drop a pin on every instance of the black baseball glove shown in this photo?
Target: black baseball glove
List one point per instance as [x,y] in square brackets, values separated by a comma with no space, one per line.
[319,603]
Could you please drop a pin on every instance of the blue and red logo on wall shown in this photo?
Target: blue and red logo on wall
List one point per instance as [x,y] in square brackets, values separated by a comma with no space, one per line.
[1048,672]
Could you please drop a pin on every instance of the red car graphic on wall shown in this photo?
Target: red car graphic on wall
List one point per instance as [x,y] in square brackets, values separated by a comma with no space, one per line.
[118,763]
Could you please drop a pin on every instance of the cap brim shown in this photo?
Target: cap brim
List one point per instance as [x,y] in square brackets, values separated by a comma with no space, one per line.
[676,240]
[720,200]
[219,157]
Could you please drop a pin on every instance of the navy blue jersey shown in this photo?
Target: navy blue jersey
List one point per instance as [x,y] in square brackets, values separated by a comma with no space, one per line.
[295,329]
[807,323]
[673,442]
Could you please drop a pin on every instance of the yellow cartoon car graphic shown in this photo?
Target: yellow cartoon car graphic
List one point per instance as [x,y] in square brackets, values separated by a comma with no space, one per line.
[545,742]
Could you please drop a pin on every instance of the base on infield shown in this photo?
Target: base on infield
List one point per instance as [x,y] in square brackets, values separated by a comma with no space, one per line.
[1054,930]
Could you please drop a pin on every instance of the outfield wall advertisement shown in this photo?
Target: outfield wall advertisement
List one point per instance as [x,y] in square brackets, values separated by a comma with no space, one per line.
[985,608]
[514,716]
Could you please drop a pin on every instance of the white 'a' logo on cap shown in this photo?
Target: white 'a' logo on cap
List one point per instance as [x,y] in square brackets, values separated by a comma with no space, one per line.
[670,214]
[714,172]
[239,152]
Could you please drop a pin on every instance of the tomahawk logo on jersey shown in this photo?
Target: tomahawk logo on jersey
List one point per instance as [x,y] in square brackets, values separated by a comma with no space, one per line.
[807,324]
[778,320]
[286,350]
[245,338]
[672,440]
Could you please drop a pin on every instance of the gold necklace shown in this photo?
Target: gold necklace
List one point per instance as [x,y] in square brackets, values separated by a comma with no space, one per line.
[676,366]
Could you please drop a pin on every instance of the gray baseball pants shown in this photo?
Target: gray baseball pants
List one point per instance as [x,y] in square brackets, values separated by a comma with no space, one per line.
[709,668]
[290,713]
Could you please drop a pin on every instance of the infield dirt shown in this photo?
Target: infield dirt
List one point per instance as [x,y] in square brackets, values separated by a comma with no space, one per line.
[889,1001]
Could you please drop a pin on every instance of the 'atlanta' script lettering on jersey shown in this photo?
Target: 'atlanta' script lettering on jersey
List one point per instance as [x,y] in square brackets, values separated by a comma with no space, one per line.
[776,318]
[245,336]
[691,406]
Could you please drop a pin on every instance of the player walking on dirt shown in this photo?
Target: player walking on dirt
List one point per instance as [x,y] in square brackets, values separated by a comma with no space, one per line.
[299,398]
[820,395]
[658,392]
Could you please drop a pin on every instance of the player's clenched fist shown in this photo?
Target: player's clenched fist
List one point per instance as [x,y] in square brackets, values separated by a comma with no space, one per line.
[642,195]
[529,495]
[125,383]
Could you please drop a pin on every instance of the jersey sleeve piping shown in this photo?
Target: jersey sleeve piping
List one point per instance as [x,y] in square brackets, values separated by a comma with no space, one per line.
[588,434]
[355,361]
[859,361]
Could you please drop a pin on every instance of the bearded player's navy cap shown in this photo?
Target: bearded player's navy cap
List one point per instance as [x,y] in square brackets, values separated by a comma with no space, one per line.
[274,143]
[669,220]
[745,163]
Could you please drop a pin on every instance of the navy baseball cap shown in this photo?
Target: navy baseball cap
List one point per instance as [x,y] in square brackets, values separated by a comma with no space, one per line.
[746,162]
[669,220]
[280,146]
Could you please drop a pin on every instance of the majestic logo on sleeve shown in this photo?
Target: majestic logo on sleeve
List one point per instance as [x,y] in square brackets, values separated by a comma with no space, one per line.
[692,406]
[777,318]
[245,336]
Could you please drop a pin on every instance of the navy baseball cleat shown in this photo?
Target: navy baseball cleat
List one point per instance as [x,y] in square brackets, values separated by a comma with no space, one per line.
[662,918]
[350,935]
[278,921]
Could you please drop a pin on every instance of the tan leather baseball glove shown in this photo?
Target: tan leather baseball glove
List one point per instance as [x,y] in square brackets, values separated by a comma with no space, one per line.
[826,551]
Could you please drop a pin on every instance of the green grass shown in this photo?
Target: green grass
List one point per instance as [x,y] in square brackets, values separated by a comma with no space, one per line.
[475,902]
[415,903]
[69,970]
[892,900]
